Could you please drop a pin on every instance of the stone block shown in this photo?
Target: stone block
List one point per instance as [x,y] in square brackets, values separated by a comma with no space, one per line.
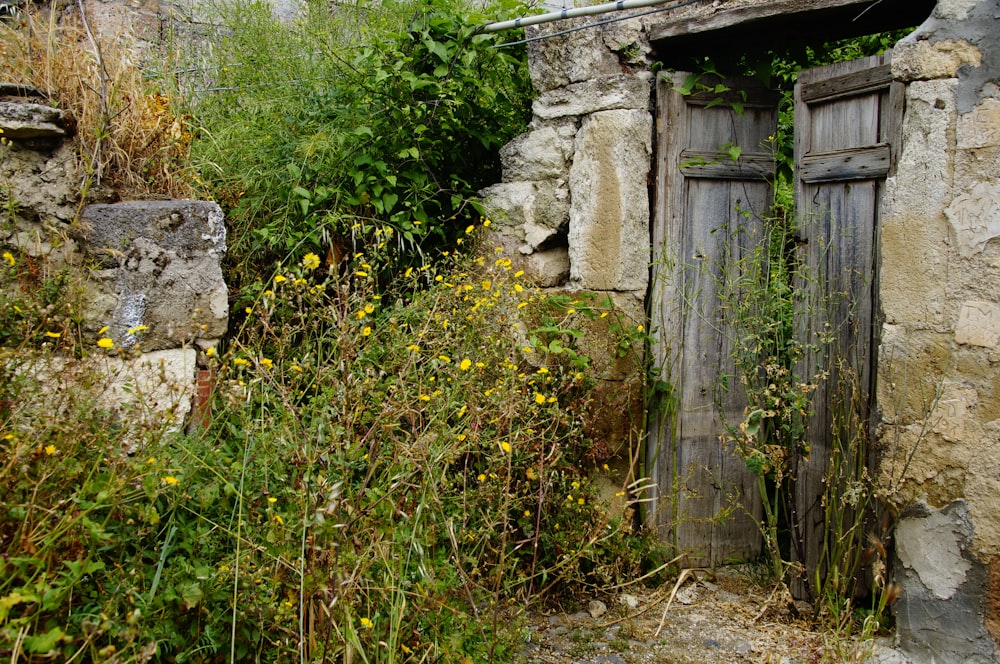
[619,91]
[940,612]
[979,324]
[980,128]
[43,183]
[975,218]
[541,154]
[152,389]
[547,268]
[925,60]
[568,58]
[609,212]
[22,120]
[536,213]
[160,265]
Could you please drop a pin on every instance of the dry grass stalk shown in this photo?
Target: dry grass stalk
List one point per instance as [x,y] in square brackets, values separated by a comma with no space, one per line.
[127,136]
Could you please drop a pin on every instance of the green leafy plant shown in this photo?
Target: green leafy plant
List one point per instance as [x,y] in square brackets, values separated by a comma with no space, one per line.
[398,127]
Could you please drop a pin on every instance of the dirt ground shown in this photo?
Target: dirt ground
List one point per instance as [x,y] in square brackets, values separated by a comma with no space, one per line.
[712,618]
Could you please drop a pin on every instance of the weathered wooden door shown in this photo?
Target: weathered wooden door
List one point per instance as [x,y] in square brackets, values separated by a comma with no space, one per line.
[708,218]
[847,116]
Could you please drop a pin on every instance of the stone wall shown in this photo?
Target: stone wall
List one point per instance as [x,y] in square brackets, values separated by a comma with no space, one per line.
[939,373]
[145,275]
[573,208]
[573,205]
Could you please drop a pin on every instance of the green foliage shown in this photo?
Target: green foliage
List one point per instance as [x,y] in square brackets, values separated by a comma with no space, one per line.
[384,473]
[310,127]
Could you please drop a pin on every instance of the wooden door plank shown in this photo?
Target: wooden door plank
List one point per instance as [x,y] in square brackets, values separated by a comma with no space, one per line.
[702,230]
[864,163]
[839,168]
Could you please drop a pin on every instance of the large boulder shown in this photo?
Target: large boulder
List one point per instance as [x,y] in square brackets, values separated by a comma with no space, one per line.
[157,279]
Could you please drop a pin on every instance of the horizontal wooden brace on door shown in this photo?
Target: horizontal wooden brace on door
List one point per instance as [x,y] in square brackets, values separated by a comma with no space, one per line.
[847,85]
[852,164]
[720,166]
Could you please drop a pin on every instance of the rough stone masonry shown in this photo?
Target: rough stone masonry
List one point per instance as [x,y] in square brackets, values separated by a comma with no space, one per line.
[574,205]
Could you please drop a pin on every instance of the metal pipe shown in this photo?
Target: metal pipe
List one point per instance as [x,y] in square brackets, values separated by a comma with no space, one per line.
[570,13]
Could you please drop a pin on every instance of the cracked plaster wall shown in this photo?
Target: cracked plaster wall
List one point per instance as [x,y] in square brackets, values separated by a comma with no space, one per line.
[939,373]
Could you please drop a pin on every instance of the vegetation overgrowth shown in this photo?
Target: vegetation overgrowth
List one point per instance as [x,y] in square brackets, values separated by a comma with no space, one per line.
[396,452]
[395,455]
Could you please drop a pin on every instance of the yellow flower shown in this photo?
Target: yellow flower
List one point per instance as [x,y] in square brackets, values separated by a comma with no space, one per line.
[527,512]
[136,329]
[9,258]
[296,368]
[366,332]
[444,358]
[171,480]
[360,273]
[519,274]
[369,308]
[580,501]
[465,365]
[279,520]
[272,499]
[481,478]
[505,446]
[424,397]
[413,348]
[543,370]
[406,651]
[266,363]
[103,330]
[539,398]
[300,282]
[249,310]
[105,342]
[210,351]
[310,261]
[53,335]
[279,278]
[240,362]
[151,460]
[366,623]
[486,223]
[50,449]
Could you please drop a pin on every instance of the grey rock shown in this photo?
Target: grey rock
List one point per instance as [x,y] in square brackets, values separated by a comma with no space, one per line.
[533,212]
[618,91]
[21,90]
[159,268]
[596,608]
[537,155]
[25,120]
[568,58]
[631,601]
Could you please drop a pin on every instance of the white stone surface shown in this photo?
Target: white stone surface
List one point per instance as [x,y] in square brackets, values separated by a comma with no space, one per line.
[600,94]
[975,218]
[609,211]
[979,324]
[537,155]
[932,547]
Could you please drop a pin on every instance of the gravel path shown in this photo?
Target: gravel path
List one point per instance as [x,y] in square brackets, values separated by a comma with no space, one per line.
[720,618]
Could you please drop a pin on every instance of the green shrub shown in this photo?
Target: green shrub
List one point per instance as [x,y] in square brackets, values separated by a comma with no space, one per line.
[383,476]
[304,131]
